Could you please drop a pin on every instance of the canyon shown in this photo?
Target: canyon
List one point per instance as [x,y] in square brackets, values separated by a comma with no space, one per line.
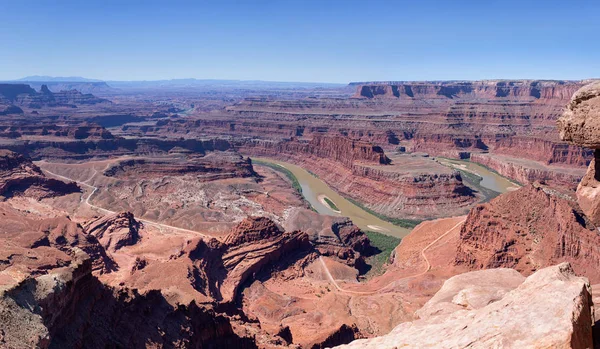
[169,219]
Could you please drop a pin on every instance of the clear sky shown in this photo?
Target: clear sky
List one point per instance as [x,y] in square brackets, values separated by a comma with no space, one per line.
[320,41]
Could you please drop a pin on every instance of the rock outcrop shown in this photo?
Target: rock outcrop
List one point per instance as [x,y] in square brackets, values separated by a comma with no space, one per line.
[220,269]
[550,309]
[19,176]
[115,230]
[68,307]
[580,125]
[528,229]
[331,235]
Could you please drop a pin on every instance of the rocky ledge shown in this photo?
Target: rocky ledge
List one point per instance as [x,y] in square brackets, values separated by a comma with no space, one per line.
[551,309]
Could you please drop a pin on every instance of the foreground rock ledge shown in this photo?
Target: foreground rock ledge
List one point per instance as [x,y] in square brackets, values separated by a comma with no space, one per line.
[550,309]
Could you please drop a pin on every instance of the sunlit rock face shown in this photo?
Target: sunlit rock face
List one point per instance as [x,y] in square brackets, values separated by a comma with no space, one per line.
[580,125]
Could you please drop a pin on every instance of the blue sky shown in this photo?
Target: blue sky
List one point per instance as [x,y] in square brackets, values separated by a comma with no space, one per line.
[318,41]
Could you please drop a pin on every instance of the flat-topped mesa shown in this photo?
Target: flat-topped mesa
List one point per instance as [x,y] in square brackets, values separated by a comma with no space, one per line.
[24,95]
[88,131]
[9,92]
[341,149]
[580,125]
[533,89]
[213,166]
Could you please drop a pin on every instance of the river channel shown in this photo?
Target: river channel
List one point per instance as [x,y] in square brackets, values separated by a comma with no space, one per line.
[315,190]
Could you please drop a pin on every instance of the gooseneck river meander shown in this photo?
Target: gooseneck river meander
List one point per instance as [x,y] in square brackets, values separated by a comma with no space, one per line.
[315,190]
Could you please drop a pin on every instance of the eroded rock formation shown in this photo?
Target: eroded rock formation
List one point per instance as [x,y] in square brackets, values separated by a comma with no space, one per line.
[115,231]
[580,125]
[19,176]
[528,229]
[68,307]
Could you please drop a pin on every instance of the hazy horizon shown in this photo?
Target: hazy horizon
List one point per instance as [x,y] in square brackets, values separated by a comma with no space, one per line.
[308,41]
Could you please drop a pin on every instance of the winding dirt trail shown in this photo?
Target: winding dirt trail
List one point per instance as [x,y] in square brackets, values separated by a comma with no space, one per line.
[101,209]
[427,269]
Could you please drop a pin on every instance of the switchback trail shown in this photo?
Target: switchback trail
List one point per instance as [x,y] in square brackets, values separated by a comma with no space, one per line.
[337,286]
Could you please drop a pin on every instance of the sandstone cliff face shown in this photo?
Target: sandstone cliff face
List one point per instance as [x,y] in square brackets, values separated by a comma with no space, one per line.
[526,172]
[86,131]
[19,176]
[534,89]
[555,304]
[529,229]
[580,126]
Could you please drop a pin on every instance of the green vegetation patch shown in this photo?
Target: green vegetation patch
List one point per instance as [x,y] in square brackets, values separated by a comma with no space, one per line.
[295,184]
[384,243]
[331,204]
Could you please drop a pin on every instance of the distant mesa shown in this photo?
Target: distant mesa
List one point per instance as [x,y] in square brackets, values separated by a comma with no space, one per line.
[23,95]
[534,89]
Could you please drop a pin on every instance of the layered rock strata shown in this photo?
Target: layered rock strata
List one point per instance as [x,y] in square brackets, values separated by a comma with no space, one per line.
[547,228]
[212,166]
[115,230]
[19,176]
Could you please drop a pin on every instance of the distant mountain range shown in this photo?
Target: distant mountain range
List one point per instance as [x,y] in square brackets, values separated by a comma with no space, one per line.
[177,82]
[43,78]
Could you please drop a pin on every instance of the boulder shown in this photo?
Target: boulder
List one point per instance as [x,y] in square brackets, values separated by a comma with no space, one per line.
[471,291]
[580,125]
[551,309]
